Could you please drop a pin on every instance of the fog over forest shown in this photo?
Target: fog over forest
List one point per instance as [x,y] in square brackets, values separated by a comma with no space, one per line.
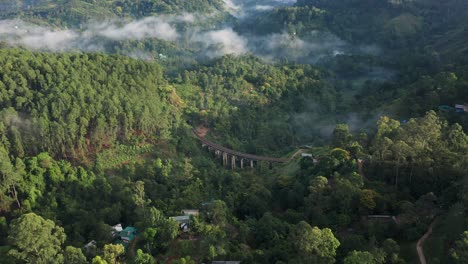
[233,131]
[206,39]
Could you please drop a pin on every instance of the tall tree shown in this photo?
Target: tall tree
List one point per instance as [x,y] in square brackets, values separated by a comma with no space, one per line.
[315,244]
[143,258]
[10,178]
[459,252]
[112,252]
[36,240]
[341,136]
[74,255]
[360,257]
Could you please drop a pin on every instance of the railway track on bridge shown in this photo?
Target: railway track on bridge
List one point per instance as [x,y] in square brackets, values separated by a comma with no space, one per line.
[235,155]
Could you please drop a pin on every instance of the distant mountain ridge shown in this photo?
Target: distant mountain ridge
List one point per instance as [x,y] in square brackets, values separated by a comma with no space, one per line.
[72,13]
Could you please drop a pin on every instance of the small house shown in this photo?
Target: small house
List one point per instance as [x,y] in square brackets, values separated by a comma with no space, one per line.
[461,108]
[128,234]
[446,108]
[162,56]
[90,248]
[306,155]
[90,245]
[117,228]
[184,222]
[193,212]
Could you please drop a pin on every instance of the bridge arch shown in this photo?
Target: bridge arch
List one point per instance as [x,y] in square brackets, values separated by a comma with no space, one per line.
[231,157]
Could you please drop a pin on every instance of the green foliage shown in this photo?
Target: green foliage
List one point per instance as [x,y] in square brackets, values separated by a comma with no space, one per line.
[74,116]
[358,257]
[121,154]
[161,230]
[300,20]
[74,255]
[112,252]
[11,177]
[419,145]
[143,258]
[218,213]
[316,244]
[367,199]
[147,8]
[270,231]
[392,23]
[98,260]
[459,252]
[122,120]
[76,12]
[242,95]
[35,239]
[185,260]
[392,251]
[214,241]
[341,136]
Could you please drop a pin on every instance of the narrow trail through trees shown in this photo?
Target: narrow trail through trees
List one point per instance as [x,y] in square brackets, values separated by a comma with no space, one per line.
[419,245]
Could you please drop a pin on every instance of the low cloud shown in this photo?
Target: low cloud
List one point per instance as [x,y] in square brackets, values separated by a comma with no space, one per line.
[150,27]
[210,43]
[263,7]
[316,123]
[221,42]
[192,31]
[293,48]
[285,2]
[247,8]
[233,8]
[19,33]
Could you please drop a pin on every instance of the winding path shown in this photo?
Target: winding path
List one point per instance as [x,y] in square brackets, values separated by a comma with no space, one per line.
[419,245]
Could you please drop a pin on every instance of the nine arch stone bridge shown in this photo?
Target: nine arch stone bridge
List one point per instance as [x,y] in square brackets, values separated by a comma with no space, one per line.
[235,158]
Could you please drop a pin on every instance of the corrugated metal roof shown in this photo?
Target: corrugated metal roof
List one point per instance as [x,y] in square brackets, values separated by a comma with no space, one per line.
[182,218]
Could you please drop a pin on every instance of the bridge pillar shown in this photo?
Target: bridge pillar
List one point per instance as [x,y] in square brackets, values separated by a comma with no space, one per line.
[225,158]
[233,162]
[242,163]
[251,164]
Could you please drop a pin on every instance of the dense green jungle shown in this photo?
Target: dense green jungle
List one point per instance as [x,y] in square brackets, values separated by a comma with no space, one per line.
[107,107]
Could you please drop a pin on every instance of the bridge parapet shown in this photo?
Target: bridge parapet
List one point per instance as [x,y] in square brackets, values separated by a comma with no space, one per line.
[236,155]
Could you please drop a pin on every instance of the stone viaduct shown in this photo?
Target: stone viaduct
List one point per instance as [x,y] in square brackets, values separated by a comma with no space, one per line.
[236,158]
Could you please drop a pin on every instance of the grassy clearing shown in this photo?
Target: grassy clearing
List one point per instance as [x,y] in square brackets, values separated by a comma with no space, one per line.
[290,168]
[122,154]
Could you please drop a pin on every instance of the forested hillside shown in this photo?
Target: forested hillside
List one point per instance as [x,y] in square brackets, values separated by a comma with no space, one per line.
[71,13]
[366,102]
[86,100]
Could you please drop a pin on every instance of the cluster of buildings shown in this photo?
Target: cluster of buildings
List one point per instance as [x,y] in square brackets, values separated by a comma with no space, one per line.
[127,235]
[458,108]
[123,236]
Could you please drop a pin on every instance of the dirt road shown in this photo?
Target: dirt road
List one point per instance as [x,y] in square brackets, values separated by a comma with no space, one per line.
[419,245]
